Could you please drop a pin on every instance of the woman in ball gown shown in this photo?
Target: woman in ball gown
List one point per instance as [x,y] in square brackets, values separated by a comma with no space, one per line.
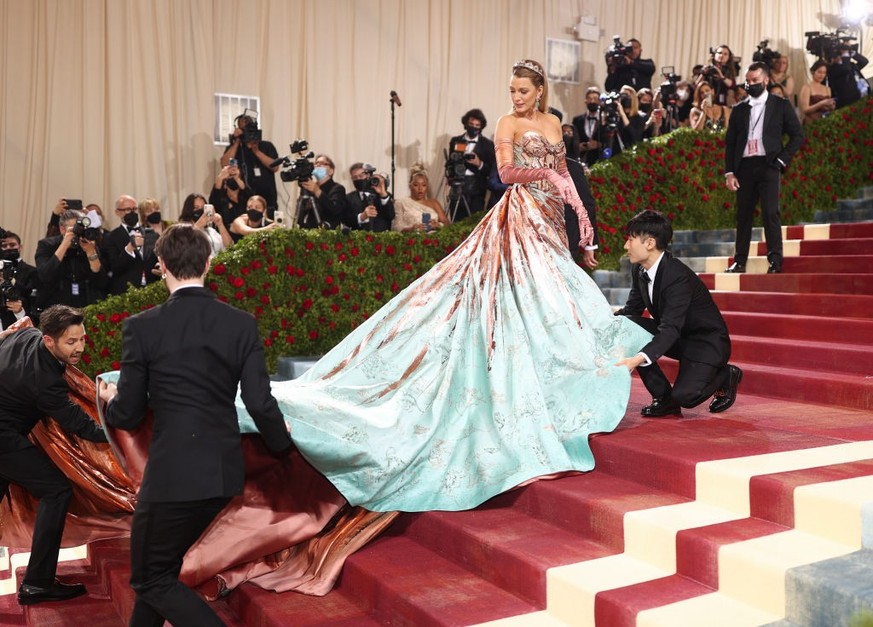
[489,371]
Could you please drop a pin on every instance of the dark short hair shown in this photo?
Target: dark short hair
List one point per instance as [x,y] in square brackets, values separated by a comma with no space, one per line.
[55,320]
[475,114]
[818,64]
[557,113]
[184,251]
[757,65]
[651,223]
[14,236]
[357,165]
[187,214]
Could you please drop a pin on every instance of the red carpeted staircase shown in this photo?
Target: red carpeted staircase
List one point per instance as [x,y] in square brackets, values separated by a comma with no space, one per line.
[702,515]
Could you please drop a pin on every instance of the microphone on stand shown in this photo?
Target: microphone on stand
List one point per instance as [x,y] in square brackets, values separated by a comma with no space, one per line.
[395,98]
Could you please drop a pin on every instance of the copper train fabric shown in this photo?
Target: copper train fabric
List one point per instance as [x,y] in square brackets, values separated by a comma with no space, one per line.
[289,530]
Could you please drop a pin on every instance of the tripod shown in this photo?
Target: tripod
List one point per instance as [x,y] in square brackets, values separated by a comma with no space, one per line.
[306,213]
[455,200]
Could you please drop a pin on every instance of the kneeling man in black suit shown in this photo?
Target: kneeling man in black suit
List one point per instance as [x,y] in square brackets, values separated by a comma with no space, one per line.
[184,359]
[685,322]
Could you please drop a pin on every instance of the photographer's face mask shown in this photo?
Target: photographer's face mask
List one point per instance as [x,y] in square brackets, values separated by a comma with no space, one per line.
[254,215]
[320,173]
[472,131]
[130,218]
[360,184]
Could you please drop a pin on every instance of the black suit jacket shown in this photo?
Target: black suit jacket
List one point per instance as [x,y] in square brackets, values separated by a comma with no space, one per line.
[331,206]
[779,120]
[571,220]
[57,277]
[32,386]
[580,124]
[126,270]
[354,207]
[690,326]
[184,359]
[484,149]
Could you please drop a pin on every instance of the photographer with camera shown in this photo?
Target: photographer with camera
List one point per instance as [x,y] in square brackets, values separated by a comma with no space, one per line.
[370,206]
[706,114]
[69,266]
[21,275]
[674,96]
[323,201]
[203,216]
[129,262]
[469,163]
[589,128]
[255,159]
[625,67]
[844,74]
[229,195]
[721,74]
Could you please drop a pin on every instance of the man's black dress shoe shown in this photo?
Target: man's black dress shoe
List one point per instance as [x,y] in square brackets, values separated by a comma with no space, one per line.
[775,268]
[661,407]
[736,268]
[726,396]
[28,594]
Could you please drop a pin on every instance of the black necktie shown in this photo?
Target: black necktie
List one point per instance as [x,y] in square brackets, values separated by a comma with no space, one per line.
[644,276]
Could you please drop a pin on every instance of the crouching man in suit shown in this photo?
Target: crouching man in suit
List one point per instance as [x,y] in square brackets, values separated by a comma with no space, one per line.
[32,386]
[685,322]
[184,359]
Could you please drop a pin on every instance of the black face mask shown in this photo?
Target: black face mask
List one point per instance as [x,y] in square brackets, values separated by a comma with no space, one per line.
[593,107]
[254,215]
[360,185]
[130,219]
[472,131]
[754,90]
[10,254]
[624,100]
[645,107]
[154,218]
[231,184]
[197,214]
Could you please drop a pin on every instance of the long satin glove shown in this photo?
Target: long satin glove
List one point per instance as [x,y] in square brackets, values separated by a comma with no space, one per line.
[560,178]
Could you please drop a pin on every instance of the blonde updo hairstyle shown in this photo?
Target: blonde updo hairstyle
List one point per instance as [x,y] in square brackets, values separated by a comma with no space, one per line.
[537,77]
[418,170]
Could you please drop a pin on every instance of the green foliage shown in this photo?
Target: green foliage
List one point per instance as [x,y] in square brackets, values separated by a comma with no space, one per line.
[308,289]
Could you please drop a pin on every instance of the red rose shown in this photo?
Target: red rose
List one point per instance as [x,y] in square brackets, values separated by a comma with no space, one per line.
[238,281]
[86,358]
[324,246]
[338,246]
[290,339]
[354,251]
[250,292]
[300,272]
[328,280]
[313,335]
[239,295]
[254,265]
[101,317]
[307,304]
[245,270]
[265,299]
[116,365]
[219,268]
[104,352]
[389,250]
[268,342]
[309,245]
[115,318]
[334,308]
[272,269]
[342,257]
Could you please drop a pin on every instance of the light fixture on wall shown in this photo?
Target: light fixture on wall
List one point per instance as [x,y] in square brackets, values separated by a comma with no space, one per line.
[586,29]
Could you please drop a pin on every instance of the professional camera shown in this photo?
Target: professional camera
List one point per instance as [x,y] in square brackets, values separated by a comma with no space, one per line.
[764,54]
[8,291]
[456,166]
[82,229]
[618,52]
[829,45]
[609,104]
[668,87]
[301,168]
[372,180]
[250,131]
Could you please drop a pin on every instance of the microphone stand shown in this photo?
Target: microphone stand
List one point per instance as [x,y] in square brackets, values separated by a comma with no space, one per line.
[393,145]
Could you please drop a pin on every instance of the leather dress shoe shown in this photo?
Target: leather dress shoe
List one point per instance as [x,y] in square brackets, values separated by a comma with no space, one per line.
[726,396]
[775,268]
[736,268]
[28,594]
[661,407]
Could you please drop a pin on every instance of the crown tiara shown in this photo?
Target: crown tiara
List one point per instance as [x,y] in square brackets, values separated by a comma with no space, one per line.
[528,66]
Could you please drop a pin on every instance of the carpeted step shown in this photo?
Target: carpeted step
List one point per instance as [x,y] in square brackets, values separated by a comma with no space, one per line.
[790,304]
[852,230]
[775,325]
[840,246]
[619,607]
[854,358]
[803,283]
[265,608]
[405,583]
[801,385]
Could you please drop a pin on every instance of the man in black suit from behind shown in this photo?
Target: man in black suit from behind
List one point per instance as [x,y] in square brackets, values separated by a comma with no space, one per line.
[754,159]
[184,359]
[32,386]
[478,153]
[685,322]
